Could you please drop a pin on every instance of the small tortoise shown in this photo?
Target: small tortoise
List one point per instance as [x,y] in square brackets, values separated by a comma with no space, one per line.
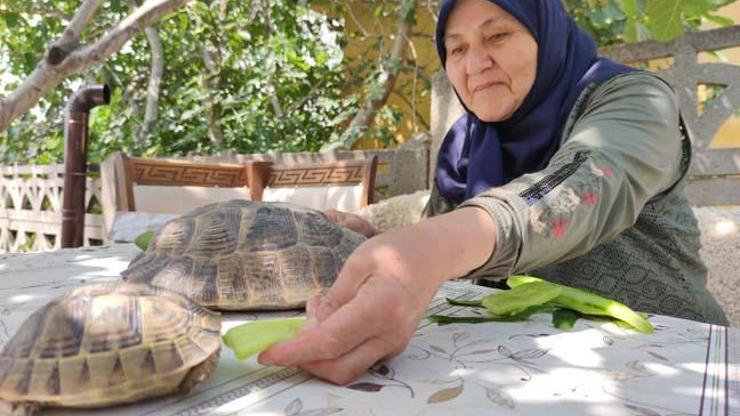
[107,344]
[245,255]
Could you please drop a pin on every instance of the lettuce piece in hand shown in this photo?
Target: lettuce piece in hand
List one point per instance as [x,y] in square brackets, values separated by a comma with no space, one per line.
[253,337]
[144,239]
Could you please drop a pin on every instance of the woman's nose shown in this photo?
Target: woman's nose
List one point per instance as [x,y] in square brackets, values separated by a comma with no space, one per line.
[478,60]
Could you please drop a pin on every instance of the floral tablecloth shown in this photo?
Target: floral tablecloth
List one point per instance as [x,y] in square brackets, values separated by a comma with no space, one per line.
[522,368]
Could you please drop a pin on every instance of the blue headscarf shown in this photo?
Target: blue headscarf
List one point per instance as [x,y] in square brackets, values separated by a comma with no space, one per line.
[477,155]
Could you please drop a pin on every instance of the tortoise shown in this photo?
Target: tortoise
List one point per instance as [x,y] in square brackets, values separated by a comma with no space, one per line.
[246,255]
[107,344]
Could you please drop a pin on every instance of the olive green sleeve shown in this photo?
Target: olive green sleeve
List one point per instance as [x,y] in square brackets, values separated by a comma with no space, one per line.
[623,149]
[436,205]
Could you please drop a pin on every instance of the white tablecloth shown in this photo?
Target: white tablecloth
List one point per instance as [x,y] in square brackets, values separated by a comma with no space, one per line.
[523,368]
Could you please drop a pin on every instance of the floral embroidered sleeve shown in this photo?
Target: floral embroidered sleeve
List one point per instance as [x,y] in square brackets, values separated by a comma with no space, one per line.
[622,147]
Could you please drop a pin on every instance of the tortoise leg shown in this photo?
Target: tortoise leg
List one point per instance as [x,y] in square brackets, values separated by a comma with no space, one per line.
[198,373]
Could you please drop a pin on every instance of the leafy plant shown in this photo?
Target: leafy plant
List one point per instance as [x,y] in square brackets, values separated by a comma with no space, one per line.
[617,21]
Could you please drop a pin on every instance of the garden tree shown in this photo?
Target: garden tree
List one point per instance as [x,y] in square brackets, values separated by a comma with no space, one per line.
[206,76]
[67,55]
[617,21]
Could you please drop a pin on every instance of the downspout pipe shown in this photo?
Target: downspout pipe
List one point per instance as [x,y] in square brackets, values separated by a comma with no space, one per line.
[75,160]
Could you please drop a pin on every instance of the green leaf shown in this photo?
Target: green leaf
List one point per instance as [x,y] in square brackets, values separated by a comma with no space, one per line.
[253,337]
[695,8]
[722,21]
[447,320]
[630,31]
[144,239]
[629,7]
[11,19]
[564,318]
[664,19]
[469,303]
[521,316]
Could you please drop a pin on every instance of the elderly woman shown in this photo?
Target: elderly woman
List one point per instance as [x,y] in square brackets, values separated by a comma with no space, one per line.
[565,166]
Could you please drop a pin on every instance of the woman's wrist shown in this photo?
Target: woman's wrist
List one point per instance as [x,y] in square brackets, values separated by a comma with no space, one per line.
[444,247]
[468,237]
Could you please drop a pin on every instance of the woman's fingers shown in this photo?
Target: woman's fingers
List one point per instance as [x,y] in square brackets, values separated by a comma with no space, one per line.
[351,221]
[333,215]
[351,278]
[351,365]
[378,308]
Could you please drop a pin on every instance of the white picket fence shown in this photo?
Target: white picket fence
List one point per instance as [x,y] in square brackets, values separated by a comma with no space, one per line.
[31,209]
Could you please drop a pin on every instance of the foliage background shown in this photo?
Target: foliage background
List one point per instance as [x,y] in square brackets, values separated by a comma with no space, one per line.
[254,76]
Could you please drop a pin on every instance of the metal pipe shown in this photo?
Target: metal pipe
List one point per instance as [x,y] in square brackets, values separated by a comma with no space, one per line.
[75,160]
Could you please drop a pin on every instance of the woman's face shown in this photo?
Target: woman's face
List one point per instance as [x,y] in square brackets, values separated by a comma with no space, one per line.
[491,59]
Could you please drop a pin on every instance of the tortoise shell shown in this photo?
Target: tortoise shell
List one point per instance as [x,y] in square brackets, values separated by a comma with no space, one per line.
[106,344]
[245,255]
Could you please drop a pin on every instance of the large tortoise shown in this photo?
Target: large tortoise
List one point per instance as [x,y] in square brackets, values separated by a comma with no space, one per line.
[245,255]
[107,344]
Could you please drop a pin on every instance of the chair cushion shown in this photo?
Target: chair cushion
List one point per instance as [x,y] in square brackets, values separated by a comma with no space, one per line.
[343,198]
[182,199]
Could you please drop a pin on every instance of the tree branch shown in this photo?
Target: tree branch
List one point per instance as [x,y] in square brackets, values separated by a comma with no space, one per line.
[155,80]
[388,73]
[48,76]
[354,19]
[311,95]
[70,39]
[419,117]
[210,83]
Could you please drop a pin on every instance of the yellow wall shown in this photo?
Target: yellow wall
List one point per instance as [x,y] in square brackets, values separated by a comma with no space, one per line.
[423,50]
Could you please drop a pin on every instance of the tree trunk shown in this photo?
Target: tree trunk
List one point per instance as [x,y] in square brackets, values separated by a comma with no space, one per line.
[210,84]
[155,80]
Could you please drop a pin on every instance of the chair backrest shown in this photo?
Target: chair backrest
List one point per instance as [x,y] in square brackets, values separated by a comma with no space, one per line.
[140,194]
[175,186]
[343,185]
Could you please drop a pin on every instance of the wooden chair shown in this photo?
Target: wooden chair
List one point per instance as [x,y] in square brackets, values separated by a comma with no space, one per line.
[142,194]
[343,185]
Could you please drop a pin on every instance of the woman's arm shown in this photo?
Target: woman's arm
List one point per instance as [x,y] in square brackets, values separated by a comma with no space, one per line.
[382,293]
[623,150]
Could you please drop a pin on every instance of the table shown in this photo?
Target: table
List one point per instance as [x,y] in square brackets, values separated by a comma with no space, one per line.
[521,368]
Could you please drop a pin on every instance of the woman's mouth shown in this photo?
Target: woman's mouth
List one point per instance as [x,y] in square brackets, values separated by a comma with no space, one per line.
[486,86]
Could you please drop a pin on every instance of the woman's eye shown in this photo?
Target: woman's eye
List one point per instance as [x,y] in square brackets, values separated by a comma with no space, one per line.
[498,36]
[456,51]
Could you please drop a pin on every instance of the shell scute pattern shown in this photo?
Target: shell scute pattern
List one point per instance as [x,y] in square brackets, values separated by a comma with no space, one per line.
[269,229]
[214,233]
[106,344]
[245,255]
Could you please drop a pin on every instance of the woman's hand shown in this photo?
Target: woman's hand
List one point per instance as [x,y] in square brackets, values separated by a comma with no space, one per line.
[351,221]
[369,313]
[374,307]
